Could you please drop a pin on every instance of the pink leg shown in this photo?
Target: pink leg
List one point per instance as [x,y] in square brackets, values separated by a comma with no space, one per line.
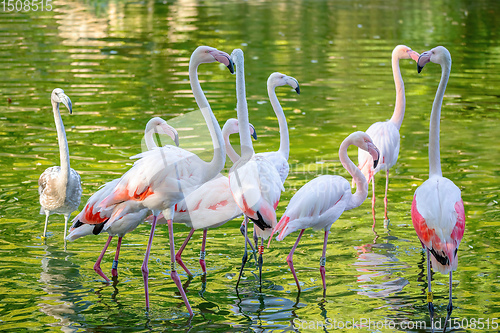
[289,259]
[373,198]
[322,261]
[144,268]
[203,253]
[173,272]
[386,221]
[179,253]
[114,269]
[97,265]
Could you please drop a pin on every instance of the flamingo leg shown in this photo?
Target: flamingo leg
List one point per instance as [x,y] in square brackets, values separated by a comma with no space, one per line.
[386,218]
[245,254]
[261,252]
[289,259]
[449,308]
[66,218]
[97,265]
[46,222]
[322,261]
[114,268]
[144,268]
[429,290]
[373,198]
[179,253]
[242,230]
[203,253]
[173,272]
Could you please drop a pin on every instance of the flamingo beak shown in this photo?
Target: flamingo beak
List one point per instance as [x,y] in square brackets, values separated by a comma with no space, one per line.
[230,66]
[66,101]
[292,82]
[413,55]
[375,153]
[422,60]
[253,132]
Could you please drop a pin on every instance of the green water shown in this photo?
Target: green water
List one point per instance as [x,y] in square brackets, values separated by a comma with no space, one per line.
[123,62]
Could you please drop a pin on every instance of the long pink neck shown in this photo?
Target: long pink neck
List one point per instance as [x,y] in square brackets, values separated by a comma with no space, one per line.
[434,154]
[219,158]
[361,184]
[399,107]
[278,110]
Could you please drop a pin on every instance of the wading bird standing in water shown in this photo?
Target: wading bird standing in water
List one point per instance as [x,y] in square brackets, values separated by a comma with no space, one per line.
[320,202]
[59,187]
[437,210]
[119,219]
[162,177]
[385,135]
[254,181]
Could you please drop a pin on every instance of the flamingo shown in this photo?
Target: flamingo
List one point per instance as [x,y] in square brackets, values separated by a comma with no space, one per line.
[121,218]
[437,210]
[321,201]
[385,135]
[160,178]
[59,187]
[255,183]
[211,205]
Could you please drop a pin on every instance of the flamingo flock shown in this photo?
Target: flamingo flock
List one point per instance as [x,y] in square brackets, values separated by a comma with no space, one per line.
[168,184]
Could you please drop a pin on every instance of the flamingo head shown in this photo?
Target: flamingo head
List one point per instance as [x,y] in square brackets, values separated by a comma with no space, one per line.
[160,126]
[231,127]
[207,54]
[277,79]
[58,96]
[438,55]
[404,52]
[363,141]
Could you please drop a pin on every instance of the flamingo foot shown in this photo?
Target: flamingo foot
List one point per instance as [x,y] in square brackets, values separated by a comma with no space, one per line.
[177,280]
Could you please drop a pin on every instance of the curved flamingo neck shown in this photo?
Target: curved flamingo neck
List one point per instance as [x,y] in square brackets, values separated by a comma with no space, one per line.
[283,126]
[63,146]
[399,107]
[361,184]
[149,137]
[231,153]
[434,154]
[242,108]
[219,158]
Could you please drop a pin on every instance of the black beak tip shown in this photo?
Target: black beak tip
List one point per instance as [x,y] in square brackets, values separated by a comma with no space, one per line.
[254,135]
[375,163]
[419,69]
[231,66]
[297,90]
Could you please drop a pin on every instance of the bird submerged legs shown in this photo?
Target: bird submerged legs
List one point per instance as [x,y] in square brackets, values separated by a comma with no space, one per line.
[261,252]
[179,253]
[97,265]
[386,218]
[372,176]
[144,268]
[429,290]
[245,254]
[449,308]
[289,259]
[322,262]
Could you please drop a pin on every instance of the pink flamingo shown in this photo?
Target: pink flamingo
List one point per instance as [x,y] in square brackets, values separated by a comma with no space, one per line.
[119,219]
[437,210]
[59,187]
[209,206]
[162,177]
[254,181]
[320,202]
[385,135]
